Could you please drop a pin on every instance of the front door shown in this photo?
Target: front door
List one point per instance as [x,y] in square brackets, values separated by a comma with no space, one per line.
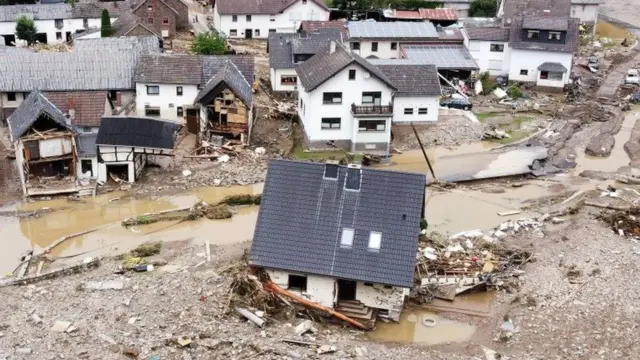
[346,290]
[248,33]
[193,126]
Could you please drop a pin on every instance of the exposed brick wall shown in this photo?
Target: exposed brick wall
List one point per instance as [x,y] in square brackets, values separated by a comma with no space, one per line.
[158,13]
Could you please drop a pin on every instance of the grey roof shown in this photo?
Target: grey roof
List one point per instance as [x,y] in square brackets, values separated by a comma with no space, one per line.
[93,9]
[545,23]
[481,22]
[516,38]
[323,66]
[129,21]
[230,76]
[392,30]
[137,132]
[280,55]
[51,1]
[516,8]
[302,216]
[413,80]
[30,110]
[442,56]
[96,64]
[86,144]
[553,67]
[13,49]
[211,65]
[266,7]
[169,69]
[488,33]
[587,2]
[9,13]
[282,47]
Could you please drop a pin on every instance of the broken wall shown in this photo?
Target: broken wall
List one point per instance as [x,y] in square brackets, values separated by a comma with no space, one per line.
[320,289]
[379,297]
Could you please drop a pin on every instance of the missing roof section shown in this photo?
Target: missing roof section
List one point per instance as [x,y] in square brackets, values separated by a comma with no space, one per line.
[331,170]
[354,178]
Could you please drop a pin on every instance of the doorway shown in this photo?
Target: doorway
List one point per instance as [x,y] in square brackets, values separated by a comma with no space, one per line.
[193,126]
[248,34]
[9,40]
[346,290]
[223,119]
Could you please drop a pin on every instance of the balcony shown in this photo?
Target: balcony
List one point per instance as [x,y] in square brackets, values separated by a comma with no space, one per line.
[368,110]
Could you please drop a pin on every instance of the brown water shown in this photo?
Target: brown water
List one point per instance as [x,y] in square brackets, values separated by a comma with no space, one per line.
[605,29]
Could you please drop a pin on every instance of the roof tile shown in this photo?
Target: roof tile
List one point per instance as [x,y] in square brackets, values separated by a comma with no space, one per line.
[89,105]
[258,7]
[137,131]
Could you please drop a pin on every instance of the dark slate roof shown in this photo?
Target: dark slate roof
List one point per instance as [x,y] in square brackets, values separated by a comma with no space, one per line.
[488,33]
[211,64]
[553,67]
[516,8]
[86,144]
[266,7]
[280,56]
[282,47]
[413,80]
[546,23]
[13,50]
[230,76]
[323,66]
[137,132]
[571,44]
[93,9]
[9,13]
[30,110]
[302,216]
[89,105]
[168,69]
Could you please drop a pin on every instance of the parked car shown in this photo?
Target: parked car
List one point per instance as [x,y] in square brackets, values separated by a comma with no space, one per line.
[456,103]
[632,77]
[594,62]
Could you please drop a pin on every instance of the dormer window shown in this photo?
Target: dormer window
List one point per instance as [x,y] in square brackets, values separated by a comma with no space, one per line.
[533,34]
[554,35]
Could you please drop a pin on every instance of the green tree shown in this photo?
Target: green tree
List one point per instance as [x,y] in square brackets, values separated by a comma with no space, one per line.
[483,8]
[208,44]
[105,24]
[26,29]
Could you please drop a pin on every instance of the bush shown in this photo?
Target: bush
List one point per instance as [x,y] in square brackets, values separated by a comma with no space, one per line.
[483,8]
[26,29]
[208,44]
[514,92]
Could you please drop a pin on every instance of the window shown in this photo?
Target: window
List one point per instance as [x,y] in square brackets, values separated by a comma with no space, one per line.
[153,90]
[152,111]
[330,123]
[332,98]
[248,18]
[180,111]
[408,111]
[352,182]
[59,23]
[179,90]
[347,238]
[331,171]
[368,284]
[86,167]
[85,23]
[234,18]
[375,240]
[422,111]
[256,32]
[388,287]
[554,35]
[374,46]
[496,47]
[533,34]
[372,98]
[11,96]
[272,18]
[372,125]
[86,129]
[165,20]
[150,20]
[297,282]
[524,72]
[551,75]
[272,30]
[355,46]
[352,74]
[289,80]
[394,46]
[58,35]
[233,32]
[149,8]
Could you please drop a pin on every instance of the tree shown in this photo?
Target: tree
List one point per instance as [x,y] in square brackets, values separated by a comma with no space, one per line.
[208,44]
[105,24]
[483,8]
[26,29]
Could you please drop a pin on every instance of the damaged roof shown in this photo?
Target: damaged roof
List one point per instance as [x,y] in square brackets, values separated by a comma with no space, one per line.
[137,132]
[257,7]
[230,76]
[30,110]
[488,33]
[323,66]
[89,106]
[211,64]
[516,38]
[516,8]
[311,25]
[413,80]
[303,215]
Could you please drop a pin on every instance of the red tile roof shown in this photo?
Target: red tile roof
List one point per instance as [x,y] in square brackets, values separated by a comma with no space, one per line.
[438,14]
[89,105]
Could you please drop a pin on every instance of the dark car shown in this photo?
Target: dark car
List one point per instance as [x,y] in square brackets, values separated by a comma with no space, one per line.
[463,104]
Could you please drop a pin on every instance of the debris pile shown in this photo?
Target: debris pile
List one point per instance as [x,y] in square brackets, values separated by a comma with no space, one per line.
[624,223]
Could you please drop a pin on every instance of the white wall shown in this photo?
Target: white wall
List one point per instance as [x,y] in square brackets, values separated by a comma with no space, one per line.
[287,22]
[48,27]
[402,102]
[320,289]
[351,94]
[276,75]
[488,60]
[379,297]
[165,99]
[124,157]
[94,167]
[531,59]
[586,13]
[384,50]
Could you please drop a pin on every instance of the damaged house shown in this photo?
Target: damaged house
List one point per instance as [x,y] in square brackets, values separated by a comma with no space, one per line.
[45,147]
[342,236]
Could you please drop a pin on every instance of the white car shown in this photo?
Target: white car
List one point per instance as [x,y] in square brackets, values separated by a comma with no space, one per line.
[632,77]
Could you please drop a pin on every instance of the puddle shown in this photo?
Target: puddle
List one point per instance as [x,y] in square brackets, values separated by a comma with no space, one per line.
[477,304]
[410,329]
[618,157]
[19,235]
[605,29]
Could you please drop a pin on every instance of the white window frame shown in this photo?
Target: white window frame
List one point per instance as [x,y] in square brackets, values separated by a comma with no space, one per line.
[346,240]
[375,241]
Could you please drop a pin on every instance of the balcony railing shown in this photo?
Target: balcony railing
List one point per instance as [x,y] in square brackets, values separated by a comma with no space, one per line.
[363,110]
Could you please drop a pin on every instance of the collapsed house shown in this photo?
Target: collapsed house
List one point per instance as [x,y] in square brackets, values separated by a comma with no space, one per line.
[126,144]
[45,146]
[341,236]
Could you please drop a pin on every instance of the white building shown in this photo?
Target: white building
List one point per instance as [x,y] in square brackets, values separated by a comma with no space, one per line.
[55,23]
[586,10]
[490,49]
[256,19]
[347,261]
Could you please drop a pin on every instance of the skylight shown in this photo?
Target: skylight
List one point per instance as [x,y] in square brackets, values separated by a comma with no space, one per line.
[354,177]
[347,238]
[375,240]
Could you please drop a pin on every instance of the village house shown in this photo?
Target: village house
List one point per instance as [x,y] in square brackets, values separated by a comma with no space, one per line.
[124,145]
[56,23]
[287,50]
[586,11]
[256,19]
[129,24]
[358,229]
[163,17]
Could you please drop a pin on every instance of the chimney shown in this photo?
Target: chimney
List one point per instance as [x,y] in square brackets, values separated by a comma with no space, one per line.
[72,108]
[118,99]
[332,47]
